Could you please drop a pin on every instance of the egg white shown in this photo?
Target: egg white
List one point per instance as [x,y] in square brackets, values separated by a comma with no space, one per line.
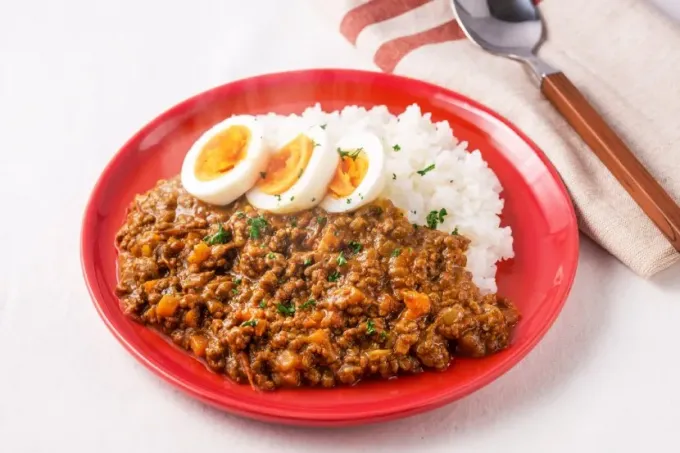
[309,190]
[234,183]
[373,182]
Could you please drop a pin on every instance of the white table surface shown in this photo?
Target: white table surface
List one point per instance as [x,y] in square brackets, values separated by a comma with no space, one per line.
[77,78]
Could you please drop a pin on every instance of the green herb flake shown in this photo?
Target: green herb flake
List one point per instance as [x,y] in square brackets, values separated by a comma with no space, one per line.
[425,170]
[436,217]
[286,310]
[256,226]
[238,280]
[455,232]
[234,291]
[240,214]
[321,220]
[263,174]
[396,148]
[394,176]
[383,335]
[292,198]
[341,259]
[323,126]
[263,304]
[313,199]
[355,246]
[396,252]
[278,197]
[351,154]
[334,276]
[309,304]
[249,323]
[293,222]
[307,262]
[221,237]
[349,200]
[370,327]
[271,255]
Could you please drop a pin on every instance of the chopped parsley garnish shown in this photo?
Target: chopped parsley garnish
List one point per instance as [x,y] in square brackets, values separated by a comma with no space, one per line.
[271,255]
[234,291]
[321,220]
[355,246]
[396,148]
[263,174]
[323,126]
[427,169]
[278,197]
[307,261]
[309,304]
[455,231]
[415,226]
[341,259]
[394,176]
[435,217]
[263,304]
[240,214]
[376,210]
[286,309]
[370,327]
[349,200]
[351,154]
[334,276]
[238,281]
[313,199]
[361,196]
[316,144]
[293,221]
[292,198]
[256,226]
[383,335]
[250,323]
[396,252]
[221,237]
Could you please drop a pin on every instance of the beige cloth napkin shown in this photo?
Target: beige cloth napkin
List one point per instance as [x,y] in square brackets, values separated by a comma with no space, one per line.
[624,56]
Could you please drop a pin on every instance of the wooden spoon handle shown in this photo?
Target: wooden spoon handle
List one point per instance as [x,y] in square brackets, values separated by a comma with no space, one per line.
[614,154]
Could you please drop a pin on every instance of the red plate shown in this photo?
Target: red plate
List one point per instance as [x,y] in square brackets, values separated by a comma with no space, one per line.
[537,208]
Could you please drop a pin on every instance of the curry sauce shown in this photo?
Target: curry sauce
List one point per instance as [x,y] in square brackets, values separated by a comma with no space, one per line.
[312,299]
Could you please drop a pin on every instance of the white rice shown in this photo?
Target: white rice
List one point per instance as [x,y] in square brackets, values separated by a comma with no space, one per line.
[461,182]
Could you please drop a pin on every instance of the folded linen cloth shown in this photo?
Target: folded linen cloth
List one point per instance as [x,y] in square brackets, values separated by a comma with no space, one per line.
[623,54]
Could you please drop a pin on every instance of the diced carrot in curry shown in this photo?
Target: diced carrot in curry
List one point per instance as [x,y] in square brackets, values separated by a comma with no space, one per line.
[417,304]
[191,318]
[198,344]
[200,253]
[167,306]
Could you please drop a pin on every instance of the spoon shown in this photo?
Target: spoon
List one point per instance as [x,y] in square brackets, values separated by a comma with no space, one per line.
[514,29]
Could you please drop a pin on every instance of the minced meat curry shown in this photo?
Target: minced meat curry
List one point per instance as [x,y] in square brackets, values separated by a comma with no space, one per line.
[312,299]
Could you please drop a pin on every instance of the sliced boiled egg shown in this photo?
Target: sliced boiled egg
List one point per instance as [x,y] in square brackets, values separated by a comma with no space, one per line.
[225,161]
[359,178]
[297,175]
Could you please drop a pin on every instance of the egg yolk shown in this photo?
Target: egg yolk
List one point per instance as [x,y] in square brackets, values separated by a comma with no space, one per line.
[222,153]
[287,165]
[348,176]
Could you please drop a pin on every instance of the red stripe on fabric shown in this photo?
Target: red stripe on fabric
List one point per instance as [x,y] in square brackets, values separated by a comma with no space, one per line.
[373,12]
[390,53]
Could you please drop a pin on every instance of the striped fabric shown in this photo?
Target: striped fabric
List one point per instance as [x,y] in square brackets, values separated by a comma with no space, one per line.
[631,77]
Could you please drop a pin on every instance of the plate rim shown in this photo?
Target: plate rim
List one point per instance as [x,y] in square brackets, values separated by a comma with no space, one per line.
[375,414]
